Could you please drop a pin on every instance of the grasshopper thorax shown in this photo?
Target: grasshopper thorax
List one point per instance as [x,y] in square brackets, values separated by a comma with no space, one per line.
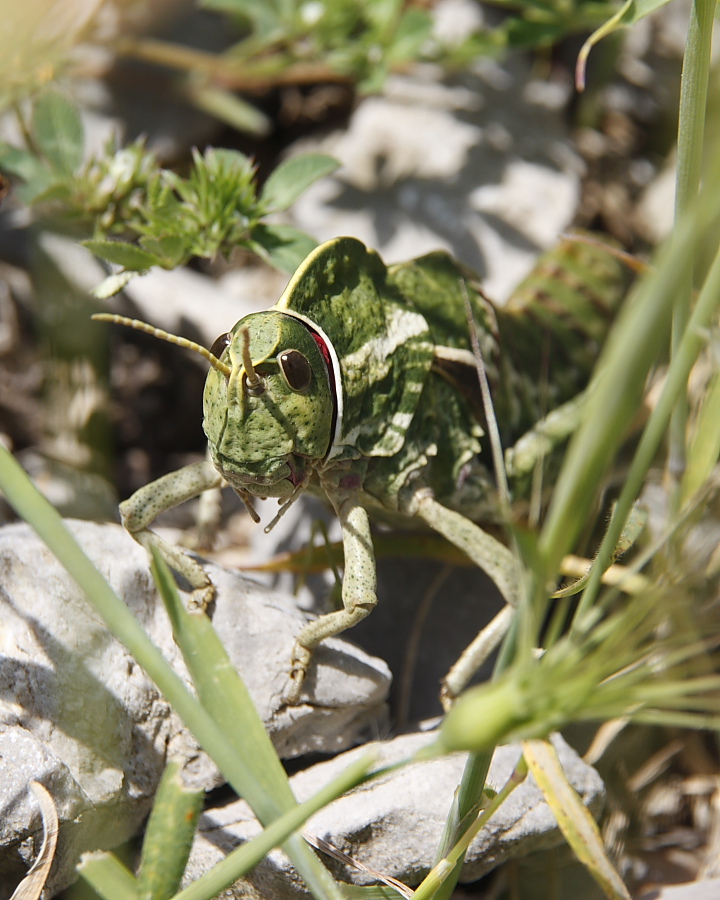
[270,421]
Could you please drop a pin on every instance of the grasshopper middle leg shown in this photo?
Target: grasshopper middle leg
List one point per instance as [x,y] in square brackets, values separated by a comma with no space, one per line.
[359,593]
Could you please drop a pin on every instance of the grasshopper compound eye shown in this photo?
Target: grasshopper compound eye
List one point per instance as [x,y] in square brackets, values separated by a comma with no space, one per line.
[296,370]
[220,345]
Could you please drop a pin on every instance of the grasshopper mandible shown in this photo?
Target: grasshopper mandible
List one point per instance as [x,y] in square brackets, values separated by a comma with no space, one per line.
[360,385]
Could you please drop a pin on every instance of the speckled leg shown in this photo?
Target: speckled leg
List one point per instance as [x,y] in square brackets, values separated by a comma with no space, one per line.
[483,549]
[359,593]
[145,505]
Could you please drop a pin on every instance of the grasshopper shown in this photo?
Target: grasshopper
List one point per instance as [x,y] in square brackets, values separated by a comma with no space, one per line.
[360,385]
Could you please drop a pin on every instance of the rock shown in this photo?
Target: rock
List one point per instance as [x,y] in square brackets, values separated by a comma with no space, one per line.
[480,164]
[706,889]
[197,306]
[79,715]
[394,824]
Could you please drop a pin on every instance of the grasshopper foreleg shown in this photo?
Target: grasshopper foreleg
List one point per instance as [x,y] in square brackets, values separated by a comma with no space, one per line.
[359,593]
[146,504]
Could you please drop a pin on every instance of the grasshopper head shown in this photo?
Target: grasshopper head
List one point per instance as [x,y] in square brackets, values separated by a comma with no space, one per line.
[271,419]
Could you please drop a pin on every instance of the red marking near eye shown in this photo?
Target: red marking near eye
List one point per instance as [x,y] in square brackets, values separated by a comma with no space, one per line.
[323,348]
[320,341]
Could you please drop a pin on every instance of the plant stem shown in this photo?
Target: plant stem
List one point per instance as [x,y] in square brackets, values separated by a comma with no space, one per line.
[683,359]
[691,131]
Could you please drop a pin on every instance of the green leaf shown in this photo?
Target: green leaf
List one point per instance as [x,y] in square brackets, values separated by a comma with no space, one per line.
[229,108]
[520,33]
[169,250]
[413,30]
[122,254]
[58,131]
[168,836]
[23,164]
[112,285]
[283,246]
[292,177]
[107,876]
[382,14]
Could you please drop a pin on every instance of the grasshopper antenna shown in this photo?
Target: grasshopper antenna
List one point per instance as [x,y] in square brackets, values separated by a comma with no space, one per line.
[254,381]
[165,336]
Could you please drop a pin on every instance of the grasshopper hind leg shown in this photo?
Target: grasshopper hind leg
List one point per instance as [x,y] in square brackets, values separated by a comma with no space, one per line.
[495,560]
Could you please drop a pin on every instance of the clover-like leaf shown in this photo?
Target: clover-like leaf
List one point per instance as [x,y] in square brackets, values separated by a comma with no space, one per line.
[58,131]
[283,246]
[122,254]
[292,177]
[112,285]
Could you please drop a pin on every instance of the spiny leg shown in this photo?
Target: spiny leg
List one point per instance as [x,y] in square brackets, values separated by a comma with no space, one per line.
[146,504]
[474,655]
[495,560]
[359,593]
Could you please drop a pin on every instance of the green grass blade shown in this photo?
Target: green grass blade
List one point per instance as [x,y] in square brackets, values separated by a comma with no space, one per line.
[466,800]
[168,836]
[432,884]
[690,149]
[687,352]
[704,444]
[641,331]
[107,876]
[29,503]
[223,694]
[248,855]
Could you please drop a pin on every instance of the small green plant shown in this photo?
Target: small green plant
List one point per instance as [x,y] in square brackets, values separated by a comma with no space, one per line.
[142,215]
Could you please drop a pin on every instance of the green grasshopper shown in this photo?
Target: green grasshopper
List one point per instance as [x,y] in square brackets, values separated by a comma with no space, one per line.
[360,385]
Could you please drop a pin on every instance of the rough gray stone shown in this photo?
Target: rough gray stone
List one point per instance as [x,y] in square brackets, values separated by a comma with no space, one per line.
[394,824]
[427,611]
[78,714]
[707,889]
[480,164]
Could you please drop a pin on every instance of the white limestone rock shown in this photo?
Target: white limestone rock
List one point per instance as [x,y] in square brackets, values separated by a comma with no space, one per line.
[394,824]
[78,714]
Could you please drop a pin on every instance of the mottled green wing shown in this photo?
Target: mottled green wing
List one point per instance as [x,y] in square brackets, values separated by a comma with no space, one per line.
[436,285]
[552,328]
[382,343]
